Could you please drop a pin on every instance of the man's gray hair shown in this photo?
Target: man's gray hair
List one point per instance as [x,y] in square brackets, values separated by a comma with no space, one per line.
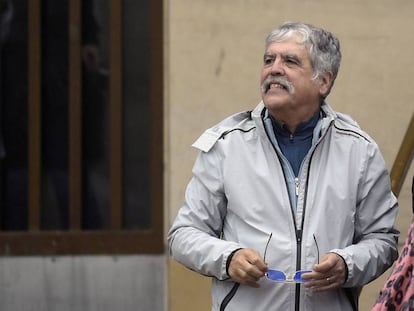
[323,47]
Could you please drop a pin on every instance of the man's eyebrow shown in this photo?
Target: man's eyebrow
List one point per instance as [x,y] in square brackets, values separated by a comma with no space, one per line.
[283,55]
[290,55]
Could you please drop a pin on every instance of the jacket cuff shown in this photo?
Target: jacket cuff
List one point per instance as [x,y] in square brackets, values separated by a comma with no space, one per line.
[339,253]
[346,268]
[229,258]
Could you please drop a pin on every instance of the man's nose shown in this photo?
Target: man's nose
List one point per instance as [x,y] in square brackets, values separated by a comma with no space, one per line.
[277,68]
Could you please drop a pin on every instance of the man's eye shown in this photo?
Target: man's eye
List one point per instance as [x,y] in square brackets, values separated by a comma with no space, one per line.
[268,61]
[291,61]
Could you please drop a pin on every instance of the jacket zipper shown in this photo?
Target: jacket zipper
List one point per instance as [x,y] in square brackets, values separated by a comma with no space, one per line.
[298,231]
[298,260]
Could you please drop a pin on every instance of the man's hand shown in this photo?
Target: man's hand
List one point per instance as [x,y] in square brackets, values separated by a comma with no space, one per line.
[247,267]
[329,274]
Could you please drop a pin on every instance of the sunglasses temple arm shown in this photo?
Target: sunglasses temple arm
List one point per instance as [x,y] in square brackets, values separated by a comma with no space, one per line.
[317,247]
[267,244]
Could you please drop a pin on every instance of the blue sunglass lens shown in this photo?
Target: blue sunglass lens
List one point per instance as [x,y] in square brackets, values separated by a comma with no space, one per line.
[298,276]
[275,275]
[279,276]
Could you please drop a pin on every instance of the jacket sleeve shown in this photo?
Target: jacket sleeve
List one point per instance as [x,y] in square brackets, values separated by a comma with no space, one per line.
[375,241]
[194,238]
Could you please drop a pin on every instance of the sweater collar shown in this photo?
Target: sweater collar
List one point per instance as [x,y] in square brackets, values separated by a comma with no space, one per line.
[303,129]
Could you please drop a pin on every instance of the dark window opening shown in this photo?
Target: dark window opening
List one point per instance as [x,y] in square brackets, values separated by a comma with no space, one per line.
[80,126]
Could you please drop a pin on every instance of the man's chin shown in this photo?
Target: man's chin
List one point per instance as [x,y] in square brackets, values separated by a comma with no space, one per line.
[273,100]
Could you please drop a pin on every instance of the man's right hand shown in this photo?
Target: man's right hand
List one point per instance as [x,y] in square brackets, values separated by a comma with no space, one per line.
[247,267]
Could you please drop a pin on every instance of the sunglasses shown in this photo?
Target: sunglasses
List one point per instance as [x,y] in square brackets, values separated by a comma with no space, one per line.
[280,276]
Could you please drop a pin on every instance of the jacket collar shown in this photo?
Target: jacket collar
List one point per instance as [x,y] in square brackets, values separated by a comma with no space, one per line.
[260,113]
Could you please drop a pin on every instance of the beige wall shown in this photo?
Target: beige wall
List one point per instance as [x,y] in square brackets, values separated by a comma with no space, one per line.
[214,52]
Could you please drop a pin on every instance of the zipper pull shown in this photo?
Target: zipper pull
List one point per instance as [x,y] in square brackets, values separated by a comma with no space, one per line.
[297,186]
[299,236]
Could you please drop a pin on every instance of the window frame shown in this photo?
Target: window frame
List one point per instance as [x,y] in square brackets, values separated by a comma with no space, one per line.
[74,241]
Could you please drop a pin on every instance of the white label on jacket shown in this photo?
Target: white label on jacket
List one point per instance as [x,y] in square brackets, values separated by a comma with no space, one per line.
[207,140]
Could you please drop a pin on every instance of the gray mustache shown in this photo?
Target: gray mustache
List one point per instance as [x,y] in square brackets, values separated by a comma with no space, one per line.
[282,81]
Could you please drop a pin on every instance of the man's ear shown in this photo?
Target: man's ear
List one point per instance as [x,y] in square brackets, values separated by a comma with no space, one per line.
[325,81]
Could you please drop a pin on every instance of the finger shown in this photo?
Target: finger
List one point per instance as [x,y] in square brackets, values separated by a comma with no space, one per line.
[244,278]
[254,272]
[328,262]
[255,259]
[328,283]
[247,267]
[311,275]
[246,273]
[252,259]
[260,264]
[324,283]
[332,265]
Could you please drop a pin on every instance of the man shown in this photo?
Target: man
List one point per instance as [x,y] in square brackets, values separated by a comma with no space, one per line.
[291,186]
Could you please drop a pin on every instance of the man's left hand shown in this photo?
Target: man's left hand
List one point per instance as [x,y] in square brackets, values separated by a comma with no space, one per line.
[329,274]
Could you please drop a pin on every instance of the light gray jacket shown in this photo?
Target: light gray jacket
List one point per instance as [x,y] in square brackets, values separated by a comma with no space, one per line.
[239,195]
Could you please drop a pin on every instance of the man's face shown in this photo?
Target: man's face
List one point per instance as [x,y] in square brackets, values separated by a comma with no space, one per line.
[291,90]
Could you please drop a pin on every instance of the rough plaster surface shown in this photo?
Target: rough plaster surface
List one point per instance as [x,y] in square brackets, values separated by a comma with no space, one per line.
[214,54]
